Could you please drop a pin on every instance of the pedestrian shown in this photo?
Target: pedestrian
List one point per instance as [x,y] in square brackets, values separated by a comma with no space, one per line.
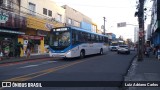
[154,51]
[28,50]
[147,50]
[19,46]
[1,54]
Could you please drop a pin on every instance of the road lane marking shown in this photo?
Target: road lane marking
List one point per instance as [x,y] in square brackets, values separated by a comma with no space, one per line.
[23,62]
[43,72]
[28,66]
[34,65]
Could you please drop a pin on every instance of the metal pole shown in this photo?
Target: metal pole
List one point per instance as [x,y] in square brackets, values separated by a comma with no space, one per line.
[141,29]
[104,25]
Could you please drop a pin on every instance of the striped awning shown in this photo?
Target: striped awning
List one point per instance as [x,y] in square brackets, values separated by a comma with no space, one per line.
[11,31]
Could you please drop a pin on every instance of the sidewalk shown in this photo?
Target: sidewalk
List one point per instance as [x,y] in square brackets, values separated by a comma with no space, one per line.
[146,70]
[32,57]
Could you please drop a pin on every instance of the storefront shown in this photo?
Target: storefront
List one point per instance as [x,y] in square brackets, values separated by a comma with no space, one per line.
[11,24]
[8,41]
[37,43]
[37,32]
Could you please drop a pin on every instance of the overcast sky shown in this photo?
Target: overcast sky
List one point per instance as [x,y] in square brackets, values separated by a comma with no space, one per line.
[115,11]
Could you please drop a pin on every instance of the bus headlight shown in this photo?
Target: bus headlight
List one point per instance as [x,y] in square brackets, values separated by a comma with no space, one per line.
[69,51]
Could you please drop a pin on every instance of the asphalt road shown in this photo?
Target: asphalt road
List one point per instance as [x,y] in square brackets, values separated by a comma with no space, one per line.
[108,67]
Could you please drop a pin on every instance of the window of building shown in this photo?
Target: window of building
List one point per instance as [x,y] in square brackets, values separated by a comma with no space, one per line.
[32,8]
[76,23]
[45,11]
[1,2]
[49,13]
[69,21]
[59,18]
[155,7]
[6,3]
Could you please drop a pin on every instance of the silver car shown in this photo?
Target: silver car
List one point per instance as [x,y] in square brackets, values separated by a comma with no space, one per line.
[123,49]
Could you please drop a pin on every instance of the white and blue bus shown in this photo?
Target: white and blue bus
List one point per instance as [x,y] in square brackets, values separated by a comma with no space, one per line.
[70,42]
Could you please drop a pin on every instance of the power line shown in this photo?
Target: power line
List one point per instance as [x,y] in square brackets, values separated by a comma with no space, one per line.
[87,5]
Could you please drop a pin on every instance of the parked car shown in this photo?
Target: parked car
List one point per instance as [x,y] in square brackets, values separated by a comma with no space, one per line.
[123,49]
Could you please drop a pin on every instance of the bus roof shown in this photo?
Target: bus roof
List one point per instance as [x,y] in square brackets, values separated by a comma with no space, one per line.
[80,29]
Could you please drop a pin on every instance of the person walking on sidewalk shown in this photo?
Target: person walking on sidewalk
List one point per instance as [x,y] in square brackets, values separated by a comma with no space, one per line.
[28,50]
[158,53]
[154,50]
[19,46]
[147,50]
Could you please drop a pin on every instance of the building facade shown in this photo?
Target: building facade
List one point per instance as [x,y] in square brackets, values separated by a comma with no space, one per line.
[77,19]
[11,23]
[148,32]
[136,30]
[155,23]
[41,16]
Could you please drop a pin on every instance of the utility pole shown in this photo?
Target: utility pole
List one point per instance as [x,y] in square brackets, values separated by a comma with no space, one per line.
[104,30]
[141,30]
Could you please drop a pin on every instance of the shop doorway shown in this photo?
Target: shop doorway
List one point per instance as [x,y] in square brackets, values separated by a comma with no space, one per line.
[7,46]
[35,46]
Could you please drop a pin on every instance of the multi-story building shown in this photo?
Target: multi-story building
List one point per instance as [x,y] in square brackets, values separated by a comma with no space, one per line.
[99,31]
[155,23]
[41,16]
[11,24]
[94,28]
[148,32]
[136,30]
[77,19]
[111,36]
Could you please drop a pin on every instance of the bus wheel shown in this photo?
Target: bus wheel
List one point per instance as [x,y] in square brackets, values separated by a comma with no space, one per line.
[82,54]
[101,51]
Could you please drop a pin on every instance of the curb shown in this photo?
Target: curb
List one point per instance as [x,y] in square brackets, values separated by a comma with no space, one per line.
[130,65]
[22,59]
[128,70]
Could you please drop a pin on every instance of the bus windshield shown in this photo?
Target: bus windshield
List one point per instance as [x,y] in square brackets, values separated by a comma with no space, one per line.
[60,40]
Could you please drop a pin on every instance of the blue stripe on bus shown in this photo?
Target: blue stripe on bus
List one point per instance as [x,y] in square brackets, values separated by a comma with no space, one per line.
[65,50]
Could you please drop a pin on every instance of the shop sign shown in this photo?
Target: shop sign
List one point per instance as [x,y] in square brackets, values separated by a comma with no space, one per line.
[11,20]
[3,17]
[48,26]
[42,33]
[25,42]
[27,37]
[38,38]
[141,33]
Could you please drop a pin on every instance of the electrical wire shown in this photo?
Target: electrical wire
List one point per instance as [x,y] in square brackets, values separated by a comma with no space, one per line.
[87,5]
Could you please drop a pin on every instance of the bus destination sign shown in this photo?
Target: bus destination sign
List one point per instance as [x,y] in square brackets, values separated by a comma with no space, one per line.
[60,29]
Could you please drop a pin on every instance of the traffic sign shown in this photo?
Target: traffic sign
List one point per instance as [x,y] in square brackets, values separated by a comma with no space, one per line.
[122,24]
[141,34]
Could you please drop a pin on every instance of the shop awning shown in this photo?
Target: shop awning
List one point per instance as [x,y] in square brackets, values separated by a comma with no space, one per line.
[11,31]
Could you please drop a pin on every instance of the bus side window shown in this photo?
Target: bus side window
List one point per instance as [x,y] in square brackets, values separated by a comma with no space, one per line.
[97,38]
[89,37]
[76,37]
[73,37]
[82,38]
[85,37]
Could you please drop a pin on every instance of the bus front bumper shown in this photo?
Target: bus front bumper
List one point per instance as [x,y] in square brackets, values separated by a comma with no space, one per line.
[62,55]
